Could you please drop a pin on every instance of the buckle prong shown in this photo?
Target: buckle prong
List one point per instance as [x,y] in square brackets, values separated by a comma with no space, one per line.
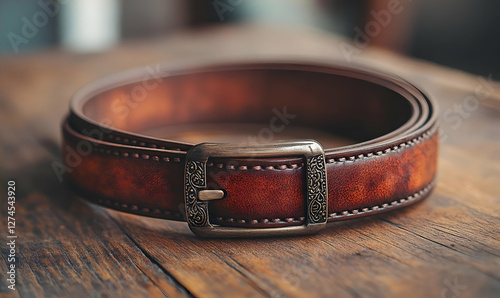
[210,194]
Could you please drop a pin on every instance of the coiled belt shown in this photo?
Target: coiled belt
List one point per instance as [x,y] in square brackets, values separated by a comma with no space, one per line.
[258,187]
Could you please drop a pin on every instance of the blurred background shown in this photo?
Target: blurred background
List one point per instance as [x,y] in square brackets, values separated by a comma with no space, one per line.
[461,34]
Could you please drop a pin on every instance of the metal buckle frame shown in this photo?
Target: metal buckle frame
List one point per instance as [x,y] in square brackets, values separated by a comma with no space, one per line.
[197,213]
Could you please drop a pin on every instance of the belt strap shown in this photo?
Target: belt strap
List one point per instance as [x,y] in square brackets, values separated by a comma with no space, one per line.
[269,187]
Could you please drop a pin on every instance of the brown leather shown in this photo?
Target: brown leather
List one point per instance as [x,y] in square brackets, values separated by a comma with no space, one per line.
[393,163]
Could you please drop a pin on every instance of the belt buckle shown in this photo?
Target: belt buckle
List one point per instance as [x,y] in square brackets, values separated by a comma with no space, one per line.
[195,183]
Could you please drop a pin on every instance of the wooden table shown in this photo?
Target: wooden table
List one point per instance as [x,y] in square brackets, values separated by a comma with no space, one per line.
[446,246]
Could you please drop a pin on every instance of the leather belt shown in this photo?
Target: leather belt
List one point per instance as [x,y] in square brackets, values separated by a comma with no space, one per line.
[252,188]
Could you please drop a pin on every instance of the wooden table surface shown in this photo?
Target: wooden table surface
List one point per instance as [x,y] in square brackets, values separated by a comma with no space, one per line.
[446,246]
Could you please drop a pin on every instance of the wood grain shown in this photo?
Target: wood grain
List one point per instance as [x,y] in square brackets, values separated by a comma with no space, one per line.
[446,246]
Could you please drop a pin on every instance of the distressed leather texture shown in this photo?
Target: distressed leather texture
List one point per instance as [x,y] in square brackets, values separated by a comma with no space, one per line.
[391,164]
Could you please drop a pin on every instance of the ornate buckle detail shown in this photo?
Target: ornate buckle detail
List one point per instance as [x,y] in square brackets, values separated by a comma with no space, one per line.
[197,212]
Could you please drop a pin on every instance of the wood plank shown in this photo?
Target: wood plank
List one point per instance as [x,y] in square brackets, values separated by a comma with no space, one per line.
[67,247]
